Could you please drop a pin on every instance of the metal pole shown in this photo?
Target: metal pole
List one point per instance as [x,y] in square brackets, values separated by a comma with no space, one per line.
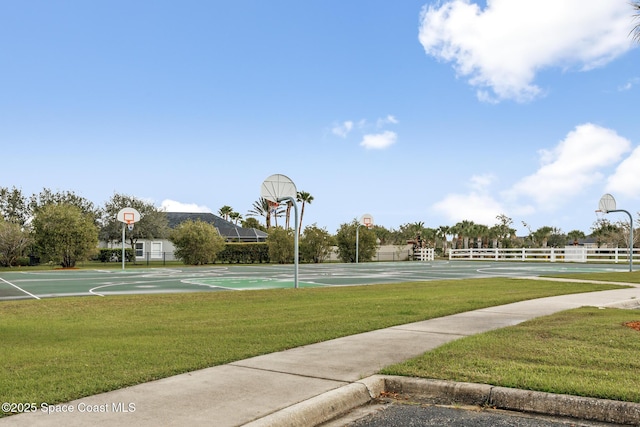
[295,240]
[357,241]
[630,236]
[123,225]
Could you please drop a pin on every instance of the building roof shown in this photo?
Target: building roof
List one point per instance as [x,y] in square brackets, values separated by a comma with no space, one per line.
[227,229]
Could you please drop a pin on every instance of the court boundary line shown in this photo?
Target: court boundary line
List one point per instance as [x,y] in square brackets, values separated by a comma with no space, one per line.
[19,288]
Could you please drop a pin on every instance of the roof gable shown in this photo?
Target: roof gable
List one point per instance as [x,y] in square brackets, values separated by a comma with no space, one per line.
[227,229]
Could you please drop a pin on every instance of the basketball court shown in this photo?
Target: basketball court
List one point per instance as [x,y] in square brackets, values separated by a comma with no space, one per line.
[103,283]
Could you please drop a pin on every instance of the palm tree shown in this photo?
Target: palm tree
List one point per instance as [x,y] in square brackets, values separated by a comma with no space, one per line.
[464,230]
[225,211]
[636,30]
[541,236]
[442,233]
[287,214]
[235,217]
[304,198]
[261,208]
[480,232]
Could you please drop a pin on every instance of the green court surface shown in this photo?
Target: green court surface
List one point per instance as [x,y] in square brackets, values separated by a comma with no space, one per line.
[101,283]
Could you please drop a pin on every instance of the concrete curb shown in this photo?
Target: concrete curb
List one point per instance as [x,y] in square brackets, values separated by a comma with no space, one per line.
[584,408]
[326,406]
[333,404]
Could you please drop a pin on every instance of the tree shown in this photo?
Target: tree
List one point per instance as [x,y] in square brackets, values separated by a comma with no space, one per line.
[280,242]
[196,242]
[253,223]
[315,244]
[556,238]
[480,232]
[47,197]
[383,234]
[13,242]
[153,222]
[346,242]
[225,211]
[541,236]
[13,206]
[412,232]
[287,214]
[463,230]
[306,199]
[504,231]
[636,30]
[64,234]
[261,207]
[606,233]
[441,233]
[235,217]
[575,235]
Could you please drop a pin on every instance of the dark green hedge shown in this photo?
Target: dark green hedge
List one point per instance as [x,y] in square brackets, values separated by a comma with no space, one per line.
[244,253]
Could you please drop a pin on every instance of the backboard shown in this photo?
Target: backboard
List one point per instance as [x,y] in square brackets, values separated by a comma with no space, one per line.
[277,187]
[607,203]
[366,220]
[128,216]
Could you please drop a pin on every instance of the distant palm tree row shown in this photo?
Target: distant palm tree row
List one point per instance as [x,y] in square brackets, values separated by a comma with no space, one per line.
[263,208]
[462,235]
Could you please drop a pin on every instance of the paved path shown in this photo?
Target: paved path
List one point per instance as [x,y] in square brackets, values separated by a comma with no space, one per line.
[303,386]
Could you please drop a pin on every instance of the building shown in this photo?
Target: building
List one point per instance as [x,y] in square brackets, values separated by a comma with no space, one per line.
[162,249]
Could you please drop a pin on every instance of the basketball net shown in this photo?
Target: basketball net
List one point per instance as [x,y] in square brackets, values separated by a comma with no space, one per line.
[600,215]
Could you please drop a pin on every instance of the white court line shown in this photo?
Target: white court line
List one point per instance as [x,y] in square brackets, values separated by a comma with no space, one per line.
[19,288]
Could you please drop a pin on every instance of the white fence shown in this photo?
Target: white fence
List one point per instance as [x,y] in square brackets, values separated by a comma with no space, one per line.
[566,254]
[424,254]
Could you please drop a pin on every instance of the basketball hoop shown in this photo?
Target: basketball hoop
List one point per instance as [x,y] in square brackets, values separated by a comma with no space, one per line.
[600,215]
[367,220]
[127,216]
[273,206]
[607,204]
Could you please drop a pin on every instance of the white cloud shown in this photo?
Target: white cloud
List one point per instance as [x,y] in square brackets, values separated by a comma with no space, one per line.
[572,166]
[379,141]
[174,206]
[477,206]
[625,179]
[343,129]
[386,121]
[501,48]
[629,85]
[482,182]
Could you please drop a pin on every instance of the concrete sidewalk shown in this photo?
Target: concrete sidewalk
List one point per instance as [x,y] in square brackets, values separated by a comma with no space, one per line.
[304,386]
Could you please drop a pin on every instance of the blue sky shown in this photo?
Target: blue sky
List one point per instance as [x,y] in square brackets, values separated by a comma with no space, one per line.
[409,111]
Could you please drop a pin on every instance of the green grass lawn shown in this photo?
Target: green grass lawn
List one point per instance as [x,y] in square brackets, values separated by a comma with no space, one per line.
[56,350]
[582,352]
[621,276]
